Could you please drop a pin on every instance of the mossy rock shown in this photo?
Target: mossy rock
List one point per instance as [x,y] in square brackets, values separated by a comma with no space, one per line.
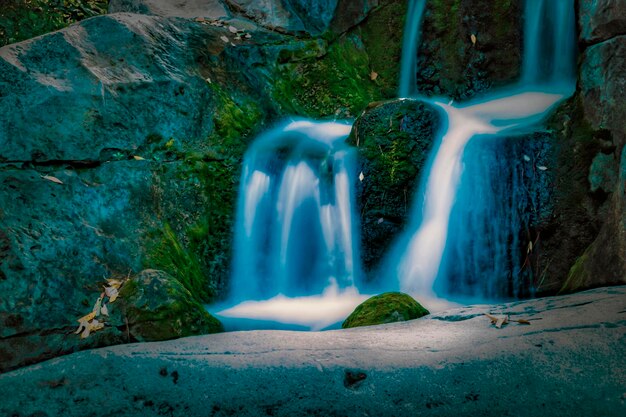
[156,306]
[385,308]
[393,139]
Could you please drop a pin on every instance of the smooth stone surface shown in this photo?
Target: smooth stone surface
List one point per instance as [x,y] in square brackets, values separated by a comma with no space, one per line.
[569,361]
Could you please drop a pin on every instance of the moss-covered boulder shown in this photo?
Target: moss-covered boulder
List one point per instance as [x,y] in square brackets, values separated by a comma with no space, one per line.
[155,306]
[385,308]
[393,140]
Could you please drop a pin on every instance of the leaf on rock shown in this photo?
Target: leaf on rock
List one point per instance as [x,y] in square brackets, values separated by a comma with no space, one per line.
[542,168]
[526,158]
[51,178]
[104,310]
[224,39]
[473,39]
[138,158]
[114,283]
[373,75]
[88,317]
[233,29]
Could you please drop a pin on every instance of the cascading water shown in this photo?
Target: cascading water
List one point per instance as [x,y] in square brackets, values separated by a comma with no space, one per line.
[294,230]
[295,234]
[421,256]
[410,43]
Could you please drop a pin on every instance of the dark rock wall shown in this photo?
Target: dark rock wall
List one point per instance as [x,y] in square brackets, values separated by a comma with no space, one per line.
[451,64]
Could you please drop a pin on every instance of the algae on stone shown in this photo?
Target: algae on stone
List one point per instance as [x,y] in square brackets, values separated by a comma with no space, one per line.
[385,308]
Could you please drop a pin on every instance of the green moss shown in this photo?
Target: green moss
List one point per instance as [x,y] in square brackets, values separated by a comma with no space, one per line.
[235,116]
[577,275]
[172,257]
[385,308]
[338,83]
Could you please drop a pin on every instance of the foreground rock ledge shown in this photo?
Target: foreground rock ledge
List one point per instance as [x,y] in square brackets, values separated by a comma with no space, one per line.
[570,362]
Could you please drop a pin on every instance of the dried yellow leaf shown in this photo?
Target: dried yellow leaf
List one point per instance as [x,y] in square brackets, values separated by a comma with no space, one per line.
[88,317]
[373,75]
[138,158]
[104,310]
[114,283]
[473,39]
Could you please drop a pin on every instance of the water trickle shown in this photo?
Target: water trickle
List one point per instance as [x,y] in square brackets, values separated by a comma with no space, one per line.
[410,44]
[295,233]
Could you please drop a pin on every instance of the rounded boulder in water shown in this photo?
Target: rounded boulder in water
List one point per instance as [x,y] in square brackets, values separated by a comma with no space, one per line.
[385,308]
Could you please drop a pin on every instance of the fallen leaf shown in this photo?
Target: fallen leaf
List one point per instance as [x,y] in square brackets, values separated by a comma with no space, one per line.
[233,29]
[526,158]
[224,39]
[200,19]
[114,283]
[51,178]
[522,321]
[361,177]
[473,39]
[111,293]
[88,317]
[541,167]
[373,75]
[139,158]
[104,310]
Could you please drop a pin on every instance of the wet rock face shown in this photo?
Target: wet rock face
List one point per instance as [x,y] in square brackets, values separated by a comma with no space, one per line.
[393,141]
[601,20]
[451,64]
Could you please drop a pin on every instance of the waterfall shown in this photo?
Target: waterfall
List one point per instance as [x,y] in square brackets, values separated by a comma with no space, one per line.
[294,232]
[429,250]
[410,44]
[549,42]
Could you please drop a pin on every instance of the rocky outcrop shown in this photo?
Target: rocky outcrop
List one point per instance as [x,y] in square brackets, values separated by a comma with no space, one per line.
[385,308]
[601,20]
[568,361]
[393,141]
[121,139]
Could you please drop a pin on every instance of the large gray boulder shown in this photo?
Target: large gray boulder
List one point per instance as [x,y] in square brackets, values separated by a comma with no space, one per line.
[568,361]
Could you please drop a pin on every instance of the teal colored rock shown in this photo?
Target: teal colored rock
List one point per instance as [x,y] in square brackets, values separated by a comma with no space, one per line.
[603,173]
[385,308]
